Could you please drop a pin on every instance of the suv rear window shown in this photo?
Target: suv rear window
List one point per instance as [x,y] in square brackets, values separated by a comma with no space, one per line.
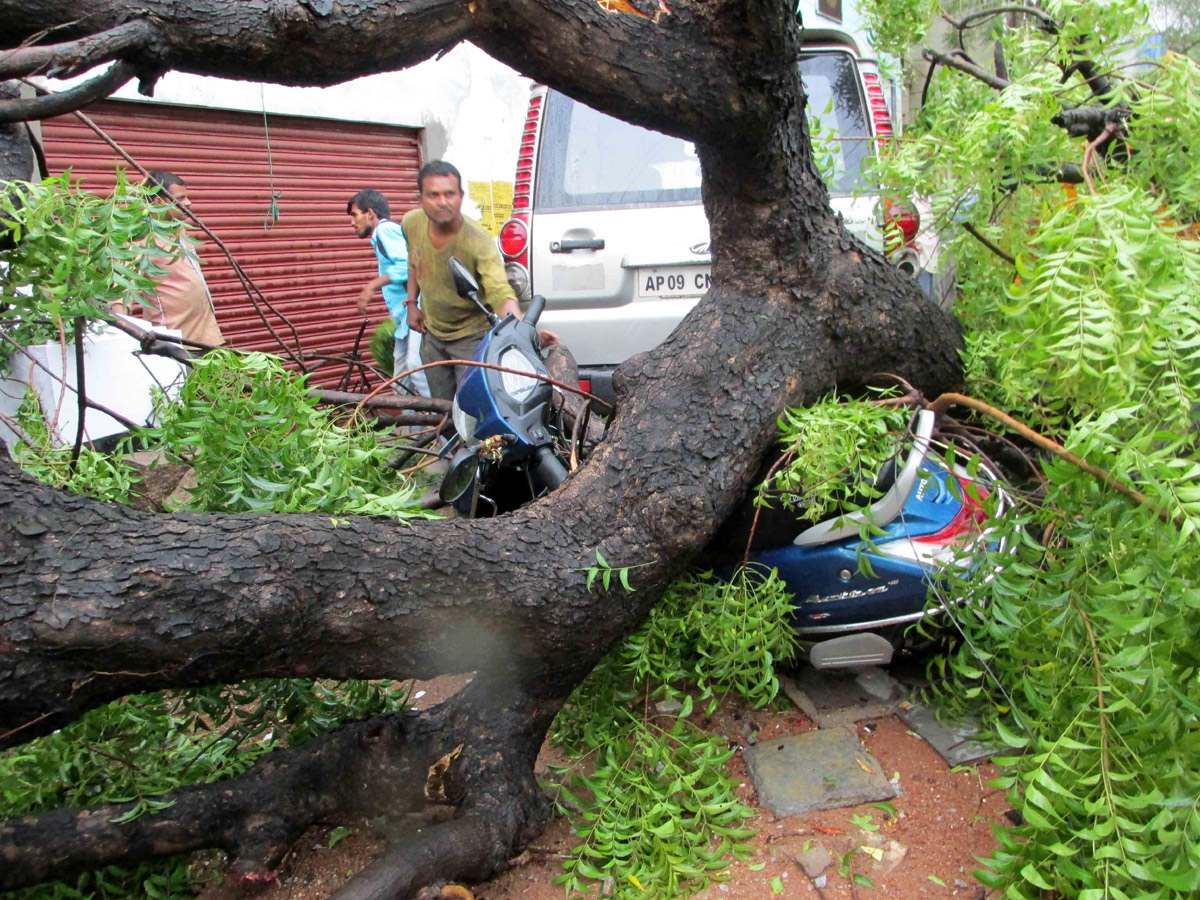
[835,99]
[600,162]
[589,160]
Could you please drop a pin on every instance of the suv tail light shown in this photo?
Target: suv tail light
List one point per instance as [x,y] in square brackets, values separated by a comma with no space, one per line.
[879,108]
[514,234]
[903,218]
[514,238]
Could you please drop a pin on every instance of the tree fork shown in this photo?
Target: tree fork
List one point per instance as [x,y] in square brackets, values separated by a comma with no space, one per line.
[474,752]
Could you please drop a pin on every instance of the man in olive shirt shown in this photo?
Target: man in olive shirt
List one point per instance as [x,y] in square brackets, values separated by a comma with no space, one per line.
[453,326]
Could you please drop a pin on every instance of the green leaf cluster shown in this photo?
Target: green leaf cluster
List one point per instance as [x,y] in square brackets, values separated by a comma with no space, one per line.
[258,443]
[382,346]
[659,814]
[717,636]
[831,452]
[896,25]
[76,254]
[1080,643]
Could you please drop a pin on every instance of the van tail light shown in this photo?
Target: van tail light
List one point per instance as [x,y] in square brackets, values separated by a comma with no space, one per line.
[585,384]
[523,186]
[880,116]
[514,234]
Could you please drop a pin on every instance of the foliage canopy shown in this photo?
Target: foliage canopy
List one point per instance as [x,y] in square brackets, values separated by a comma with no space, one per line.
[1086,325]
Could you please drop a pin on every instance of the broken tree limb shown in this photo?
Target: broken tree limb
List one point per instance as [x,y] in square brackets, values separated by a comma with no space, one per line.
[383,401]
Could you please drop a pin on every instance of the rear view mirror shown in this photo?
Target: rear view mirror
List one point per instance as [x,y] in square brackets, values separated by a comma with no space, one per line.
[460,478]
[464,282]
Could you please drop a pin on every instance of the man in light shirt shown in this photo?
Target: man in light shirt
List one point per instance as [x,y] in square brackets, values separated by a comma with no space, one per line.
[370,213]
[181,299]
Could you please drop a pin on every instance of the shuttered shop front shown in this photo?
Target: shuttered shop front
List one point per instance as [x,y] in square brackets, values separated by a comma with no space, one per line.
[308,263]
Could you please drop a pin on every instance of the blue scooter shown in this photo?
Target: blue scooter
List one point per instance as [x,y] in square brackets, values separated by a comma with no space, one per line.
[505,445]
[928,524]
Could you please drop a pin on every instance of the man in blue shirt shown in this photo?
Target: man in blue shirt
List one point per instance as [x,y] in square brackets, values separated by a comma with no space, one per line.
[369,214]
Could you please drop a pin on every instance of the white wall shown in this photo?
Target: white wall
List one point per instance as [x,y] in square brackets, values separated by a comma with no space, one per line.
[471,106]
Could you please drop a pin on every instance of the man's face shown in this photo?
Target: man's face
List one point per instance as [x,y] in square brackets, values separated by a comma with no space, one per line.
[181,201]
[363,222]
[441,199]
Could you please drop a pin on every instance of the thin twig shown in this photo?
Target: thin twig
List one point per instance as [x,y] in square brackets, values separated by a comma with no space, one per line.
[80,391]
[942,403]
[978,18]
[958,61]
[92,403]
[1109,130]
[975,233]
[779,463]
[479,365]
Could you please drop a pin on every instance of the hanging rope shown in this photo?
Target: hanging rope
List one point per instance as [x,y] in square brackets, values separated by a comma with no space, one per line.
[273,212]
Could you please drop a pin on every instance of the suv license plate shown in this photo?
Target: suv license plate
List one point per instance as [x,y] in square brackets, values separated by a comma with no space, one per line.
[674,281]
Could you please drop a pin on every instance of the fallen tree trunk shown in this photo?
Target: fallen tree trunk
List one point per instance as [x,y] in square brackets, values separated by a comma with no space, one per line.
[99,601]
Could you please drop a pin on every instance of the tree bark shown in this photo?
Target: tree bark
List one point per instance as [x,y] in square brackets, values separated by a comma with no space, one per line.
[99,601]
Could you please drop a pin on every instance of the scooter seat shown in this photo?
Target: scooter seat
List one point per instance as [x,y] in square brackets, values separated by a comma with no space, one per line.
[887,507]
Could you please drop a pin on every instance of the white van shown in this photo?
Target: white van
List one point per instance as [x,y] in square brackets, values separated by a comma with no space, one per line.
[607,222]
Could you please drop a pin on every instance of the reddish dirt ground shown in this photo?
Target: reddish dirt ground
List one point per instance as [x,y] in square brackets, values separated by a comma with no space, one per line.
[943,823]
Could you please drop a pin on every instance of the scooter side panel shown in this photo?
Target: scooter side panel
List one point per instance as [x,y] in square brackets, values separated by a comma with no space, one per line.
[830,591]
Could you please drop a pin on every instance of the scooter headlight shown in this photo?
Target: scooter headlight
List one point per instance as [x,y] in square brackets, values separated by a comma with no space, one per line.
[519,387]
[464,424]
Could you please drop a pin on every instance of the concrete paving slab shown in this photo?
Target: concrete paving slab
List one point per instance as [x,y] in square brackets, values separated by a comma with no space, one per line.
[818,770]
[835,697]
[952,742]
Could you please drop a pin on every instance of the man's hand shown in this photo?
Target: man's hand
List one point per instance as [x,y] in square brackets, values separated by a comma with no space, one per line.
[512,307]
[364,297]
[416,318]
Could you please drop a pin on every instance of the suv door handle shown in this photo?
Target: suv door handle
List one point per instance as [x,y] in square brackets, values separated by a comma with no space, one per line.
[566,246]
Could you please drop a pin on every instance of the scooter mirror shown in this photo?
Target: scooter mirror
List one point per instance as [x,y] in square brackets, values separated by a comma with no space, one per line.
[460,477]
[464,282]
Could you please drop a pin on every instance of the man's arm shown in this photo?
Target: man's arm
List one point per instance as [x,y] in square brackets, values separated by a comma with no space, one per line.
[368,291]
[416,317]
[492,277]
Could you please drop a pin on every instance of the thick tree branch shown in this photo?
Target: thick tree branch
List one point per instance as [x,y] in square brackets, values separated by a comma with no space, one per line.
[1091,121]
[300,595]
[960,62]
[97,600]
[590,53]
[101,86]
[377,767]
[73,57]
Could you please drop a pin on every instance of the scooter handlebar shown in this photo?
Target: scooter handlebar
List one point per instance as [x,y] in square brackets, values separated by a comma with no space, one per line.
[536,305]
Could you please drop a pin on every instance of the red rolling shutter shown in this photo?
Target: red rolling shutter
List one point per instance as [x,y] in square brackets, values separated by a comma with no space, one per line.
[309,265]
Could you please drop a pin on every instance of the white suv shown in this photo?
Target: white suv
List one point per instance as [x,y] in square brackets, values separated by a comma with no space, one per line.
[607,222]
